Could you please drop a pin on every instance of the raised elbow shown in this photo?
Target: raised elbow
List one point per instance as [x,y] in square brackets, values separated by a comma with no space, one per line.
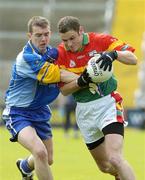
[134,62]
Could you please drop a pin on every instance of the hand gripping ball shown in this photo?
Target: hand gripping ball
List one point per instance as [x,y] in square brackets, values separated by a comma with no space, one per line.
[96,73]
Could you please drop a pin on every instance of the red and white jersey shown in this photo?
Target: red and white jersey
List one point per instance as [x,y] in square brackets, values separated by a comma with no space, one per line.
[93,43]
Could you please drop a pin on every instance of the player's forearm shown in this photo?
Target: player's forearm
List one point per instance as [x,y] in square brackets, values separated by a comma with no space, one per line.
[127,57]
[70,80]
[70,88]
[67,76]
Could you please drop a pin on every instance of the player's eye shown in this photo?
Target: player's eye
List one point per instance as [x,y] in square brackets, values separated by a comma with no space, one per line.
[46,34]
[72,38]
[64,40]
[38,35]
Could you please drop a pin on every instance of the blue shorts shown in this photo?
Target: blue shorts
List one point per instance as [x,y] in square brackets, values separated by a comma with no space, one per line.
[18,118]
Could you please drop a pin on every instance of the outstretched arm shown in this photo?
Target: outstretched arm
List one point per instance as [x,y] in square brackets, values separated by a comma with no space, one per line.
[127,57]
[73,82]
[67,76]
[70,88]
[70,82]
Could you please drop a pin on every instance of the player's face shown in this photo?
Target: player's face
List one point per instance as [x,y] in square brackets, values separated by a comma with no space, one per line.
[72,40]
[40,37]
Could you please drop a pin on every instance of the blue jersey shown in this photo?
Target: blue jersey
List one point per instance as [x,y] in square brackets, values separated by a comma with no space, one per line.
[33,86]
[34,81]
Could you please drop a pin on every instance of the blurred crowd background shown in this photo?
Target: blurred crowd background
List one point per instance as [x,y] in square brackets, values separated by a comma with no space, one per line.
[124,19]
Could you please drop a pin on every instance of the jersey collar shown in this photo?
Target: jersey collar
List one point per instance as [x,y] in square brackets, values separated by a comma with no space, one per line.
[86,39]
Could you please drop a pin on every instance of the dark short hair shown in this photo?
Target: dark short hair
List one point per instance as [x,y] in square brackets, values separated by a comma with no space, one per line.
[37,21]
[68,23]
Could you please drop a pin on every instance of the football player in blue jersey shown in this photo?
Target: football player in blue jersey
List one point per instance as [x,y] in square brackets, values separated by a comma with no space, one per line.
[32,87]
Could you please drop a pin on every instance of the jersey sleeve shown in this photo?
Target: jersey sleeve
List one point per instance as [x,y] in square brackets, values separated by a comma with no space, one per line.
[120,46]
[36,67]
[109,43]
[49,73]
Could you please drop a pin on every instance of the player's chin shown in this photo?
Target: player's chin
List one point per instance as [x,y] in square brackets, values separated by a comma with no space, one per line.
[73,49]
[42,48]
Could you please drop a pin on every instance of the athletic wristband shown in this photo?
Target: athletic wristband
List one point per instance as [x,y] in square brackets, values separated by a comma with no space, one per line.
[115,54]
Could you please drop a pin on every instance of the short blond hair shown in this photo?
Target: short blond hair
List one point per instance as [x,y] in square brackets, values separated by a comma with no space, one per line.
[37,21]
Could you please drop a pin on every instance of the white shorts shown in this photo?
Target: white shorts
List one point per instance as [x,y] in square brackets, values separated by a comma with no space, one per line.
[93,116]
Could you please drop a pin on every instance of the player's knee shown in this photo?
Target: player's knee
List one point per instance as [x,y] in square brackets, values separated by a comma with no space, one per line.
[104,167]
[115,161]
[41,154]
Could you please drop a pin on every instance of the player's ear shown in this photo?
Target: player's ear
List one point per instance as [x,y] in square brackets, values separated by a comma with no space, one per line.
[29,35]
[81,31]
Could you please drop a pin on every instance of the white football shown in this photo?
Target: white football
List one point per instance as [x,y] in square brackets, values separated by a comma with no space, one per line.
[96,73]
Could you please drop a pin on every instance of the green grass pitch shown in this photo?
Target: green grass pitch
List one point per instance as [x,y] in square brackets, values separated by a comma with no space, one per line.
[72,160]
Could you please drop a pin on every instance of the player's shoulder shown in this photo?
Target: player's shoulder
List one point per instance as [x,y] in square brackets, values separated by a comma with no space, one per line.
[30,54]
[99,35]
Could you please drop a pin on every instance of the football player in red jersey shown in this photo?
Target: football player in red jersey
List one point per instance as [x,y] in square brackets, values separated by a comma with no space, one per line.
[100,115]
